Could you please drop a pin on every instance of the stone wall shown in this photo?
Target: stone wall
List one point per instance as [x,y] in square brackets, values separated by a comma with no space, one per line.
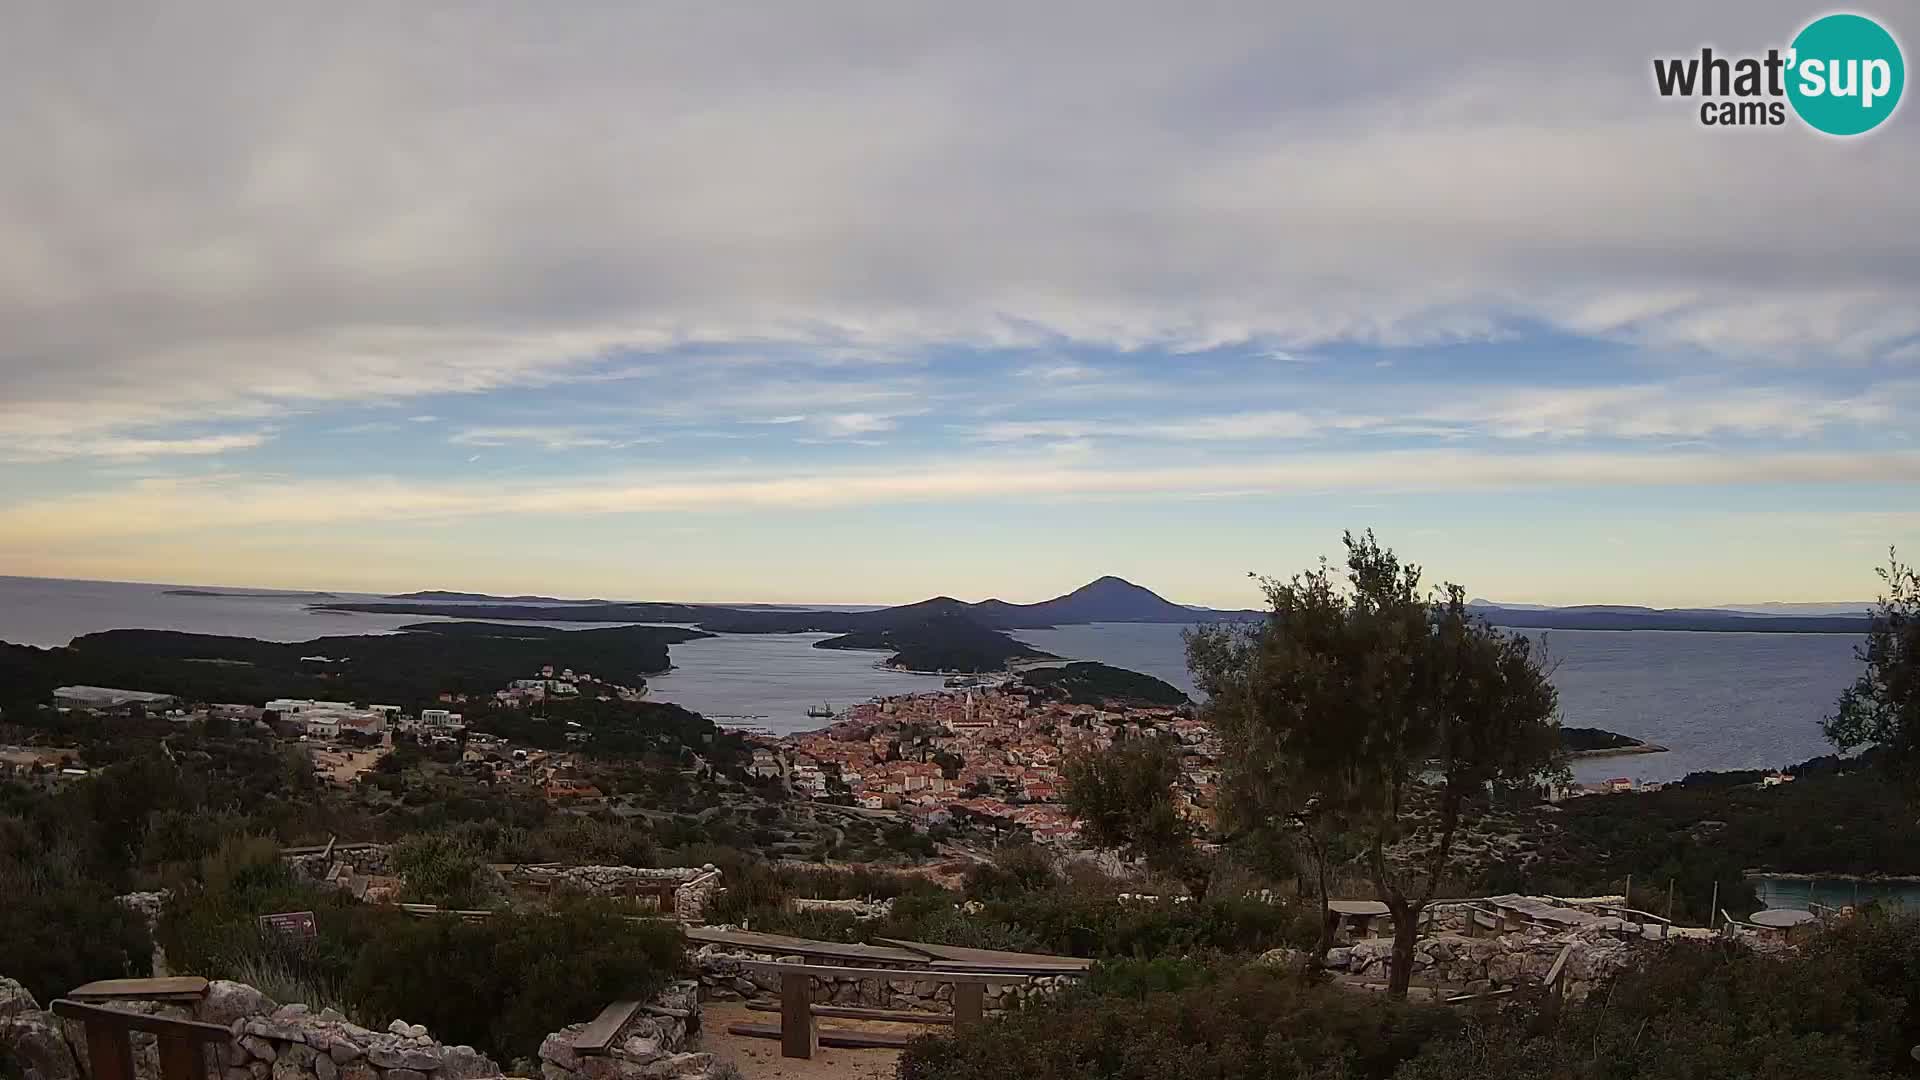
[370,860]
[652,1044]
[1521,958]
[269,1042]
[723,977]
[861,910]
[694,886]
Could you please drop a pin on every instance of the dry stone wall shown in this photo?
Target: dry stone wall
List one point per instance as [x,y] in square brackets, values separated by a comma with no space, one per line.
[270,1042]
[1521,958]
[724,977]
[651,1045]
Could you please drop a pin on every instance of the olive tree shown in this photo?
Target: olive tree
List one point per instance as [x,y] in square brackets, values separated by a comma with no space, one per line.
[1122,795]
[1367,706]
[1881,709]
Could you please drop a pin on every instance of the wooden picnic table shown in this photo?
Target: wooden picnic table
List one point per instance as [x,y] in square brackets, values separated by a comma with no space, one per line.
[1356,915]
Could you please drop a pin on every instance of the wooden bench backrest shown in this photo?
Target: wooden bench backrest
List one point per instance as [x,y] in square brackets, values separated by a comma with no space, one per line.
[110,1048]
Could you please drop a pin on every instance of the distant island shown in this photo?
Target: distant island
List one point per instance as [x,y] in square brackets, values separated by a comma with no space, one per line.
[409,669]
[1082,682]
[1586,742]
[1105,599]
[443,594]
[943,642]
[245,595]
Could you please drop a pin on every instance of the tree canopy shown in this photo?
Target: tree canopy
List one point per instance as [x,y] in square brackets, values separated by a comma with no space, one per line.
[1376,709]
[1882,708]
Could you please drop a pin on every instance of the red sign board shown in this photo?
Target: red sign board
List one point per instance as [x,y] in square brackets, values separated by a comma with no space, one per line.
[294,924]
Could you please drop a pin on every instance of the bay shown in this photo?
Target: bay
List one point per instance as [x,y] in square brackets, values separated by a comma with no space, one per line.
[1716,700]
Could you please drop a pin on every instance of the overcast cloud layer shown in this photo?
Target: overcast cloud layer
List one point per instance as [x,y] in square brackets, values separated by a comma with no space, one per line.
[671,259]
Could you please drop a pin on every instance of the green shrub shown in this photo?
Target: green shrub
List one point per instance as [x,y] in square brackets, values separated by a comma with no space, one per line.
[440,868]
[1015,870]
[504,983]
[53,939]
[1248,1024]
[1701,1011]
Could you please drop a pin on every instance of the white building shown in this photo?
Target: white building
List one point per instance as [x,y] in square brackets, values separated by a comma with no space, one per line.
[440,721]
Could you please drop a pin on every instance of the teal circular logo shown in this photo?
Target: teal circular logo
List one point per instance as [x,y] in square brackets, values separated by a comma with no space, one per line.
[1845,74]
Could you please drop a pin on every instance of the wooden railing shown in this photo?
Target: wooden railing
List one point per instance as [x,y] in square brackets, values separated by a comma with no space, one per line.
[182,1043]
[800,1037]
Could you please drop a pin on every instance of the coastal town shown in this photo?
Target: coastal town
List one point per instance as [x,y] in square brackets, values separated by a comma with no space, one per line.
[992,753]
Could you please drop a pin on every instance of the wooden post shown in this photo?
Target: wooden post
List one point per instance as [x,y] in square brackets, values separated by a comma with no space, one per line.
[110,1052]
[799,1037]
[969,1005]
[182,1059]
[1669,924]
[1629,900]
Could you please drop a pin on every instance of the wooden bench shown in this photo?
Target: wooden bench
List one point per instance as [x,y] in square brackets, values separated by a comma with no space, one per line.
[597,1036]
[801,1037]
[182,1043]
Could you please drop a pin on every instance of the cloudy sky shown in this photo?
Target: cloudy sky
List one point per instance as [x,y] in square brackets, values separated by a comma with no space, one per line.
[862,302]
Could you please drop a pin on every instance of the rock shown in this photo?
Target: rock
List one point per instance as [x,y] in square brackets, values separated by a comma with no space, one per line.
[343,1051]
[405,1074]
[400,1027]
[695,1064]
[288,1069]
[259,1070]
[465,1063]
[31,1039]
[268,1029]
[258,1047]
[418,1031]
[558,1047]
[325,1069]
[1339,958]
[295,1011]
[1283,959]
[236,1072]
[227,1001]
[550,1071]
[359,1070]
[15,999]
[640,1048]
[404,1057]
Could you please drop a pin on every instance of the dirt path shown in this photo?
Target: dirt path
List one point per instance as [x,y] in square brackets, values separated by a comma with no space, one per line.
[759,1059]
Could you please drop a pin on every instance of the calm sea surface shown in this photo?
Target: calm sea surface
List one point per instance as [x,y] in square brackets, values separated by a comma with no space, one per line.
[1717,701]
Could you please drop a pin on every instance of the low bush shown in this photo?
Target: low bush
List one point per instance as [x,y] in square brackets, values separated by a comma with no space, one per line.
[1701,1011]
[1249,1024]
[504,983]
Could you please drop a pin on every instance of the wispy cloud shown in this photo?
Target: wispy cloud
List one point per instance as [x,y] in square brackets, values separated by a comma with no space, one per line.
[125,447]
[173,505]
[546,438]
